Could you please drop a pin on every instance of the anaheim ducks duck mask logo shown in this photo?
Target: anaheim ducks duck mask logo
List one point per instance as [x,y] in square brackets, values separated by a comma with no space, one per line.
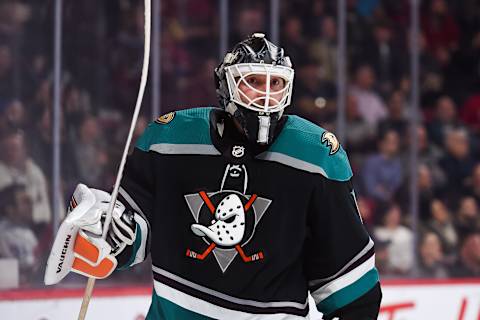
[226,219]
[166,118]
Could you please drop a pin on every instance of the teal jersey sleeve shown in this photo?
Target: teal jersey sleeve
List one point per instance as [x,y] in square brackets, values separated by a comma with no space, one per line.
[186,131]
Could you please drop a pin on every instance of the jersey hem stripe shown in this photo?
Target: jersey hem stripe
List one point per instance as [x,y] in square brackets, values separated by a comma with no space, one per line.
[350,268]
[344,281]
[365,253]
[349,293]
[227,301]
[208,309]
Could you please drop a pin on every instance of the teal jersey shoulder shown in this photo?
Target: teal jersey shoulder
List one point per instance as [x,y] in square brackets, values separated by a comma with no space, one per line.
[306,146]
[180,132]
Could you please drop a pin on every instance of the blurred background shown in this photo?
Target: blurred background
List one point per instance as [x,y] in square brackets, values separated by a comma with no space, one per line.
[398,84]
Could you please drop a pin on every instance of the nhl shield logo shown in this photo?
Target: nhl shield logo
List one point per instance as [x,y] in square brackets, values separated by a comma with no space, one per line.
[238,151]
[226,220]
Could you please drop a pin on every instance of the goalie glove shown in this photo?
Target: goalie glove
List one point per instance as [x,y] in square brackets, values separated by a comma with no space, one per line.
[79,246]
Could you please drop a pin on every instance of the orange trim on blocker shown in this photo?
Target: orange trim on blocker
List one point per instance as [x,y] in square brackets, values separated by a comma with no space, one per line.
[102,270]
[86,249]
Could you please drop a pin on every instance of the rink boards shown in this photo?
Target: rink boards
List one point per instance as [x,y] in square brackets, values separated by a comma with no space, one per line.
[403,300]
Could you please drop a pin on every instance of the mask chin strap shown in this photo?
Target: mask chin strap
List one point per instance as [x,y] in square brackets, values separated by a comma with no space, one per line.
[263,129]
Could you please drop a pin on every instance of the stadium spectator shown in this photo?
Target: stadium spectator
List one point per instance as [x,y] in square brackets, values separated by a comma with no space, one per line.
[382,259]
[42,98]
[468,216]
[457,164]
[17,239]
[470,57]
[383,53]
[382,173]
[441,223]
[432,77]
[426,191]
[250,19]
[90,152]
[323,49]
[293,35]
[16,167]
[400,238]
[14,116]
[432,262]
[200,27]
[312,98]
[370,104]
[199,88]
[440,27]
[360,135]
[6,72]
[445,119]
[367,8]
[76,105]
[41,148]
[470,112]
[468,263]
[396,119]
[34,73]
[313,14]
[474,184]
[429,155]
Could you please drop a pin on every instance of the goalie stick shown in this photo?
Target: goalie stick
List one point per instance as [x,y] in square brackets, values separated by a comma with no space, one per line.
[146,57]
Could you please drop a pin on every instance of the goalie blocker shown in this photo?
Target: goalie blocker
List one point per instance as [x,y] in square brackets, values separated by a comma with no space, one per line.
[79,246]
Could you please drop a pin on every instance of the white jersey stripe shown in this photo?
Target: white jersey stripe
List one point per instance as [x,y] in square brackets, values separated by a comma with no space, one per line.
[356,258]
[292,162]
[347,279]
[211,310]
[170,148]
[253,303]
[141,252]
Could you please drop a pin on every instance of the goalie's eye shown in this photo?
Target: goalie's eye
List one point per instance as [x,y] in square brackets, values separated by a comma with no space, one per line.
[277,84]
[252,80]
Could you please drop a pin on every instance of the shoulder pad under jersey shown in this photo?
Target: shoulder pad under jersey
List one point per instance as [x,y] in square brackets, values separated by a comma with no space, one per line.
[180,132]
[306,146]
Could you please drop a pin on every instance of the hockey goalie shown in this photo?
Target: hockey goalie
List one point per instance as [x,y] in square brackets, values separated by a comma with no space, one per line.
[243,208]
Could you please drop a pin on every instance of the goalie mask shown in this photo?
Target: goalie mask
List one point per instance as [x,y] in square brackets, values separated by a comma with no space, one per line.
[254,85]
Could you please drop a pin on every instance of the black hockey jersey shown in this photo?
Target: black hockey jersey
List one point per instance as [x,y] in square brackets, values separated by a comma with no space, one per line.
[240,231]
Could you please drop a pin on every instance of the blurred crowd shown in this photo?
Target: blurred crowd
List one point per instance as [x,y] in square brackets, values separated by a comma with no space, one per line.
[101,65]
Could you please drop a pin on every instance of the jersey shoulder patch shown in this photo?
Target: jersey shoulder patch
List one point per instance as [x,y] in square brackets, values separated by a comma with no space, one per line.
[306,146]
[180,132]
[166,118]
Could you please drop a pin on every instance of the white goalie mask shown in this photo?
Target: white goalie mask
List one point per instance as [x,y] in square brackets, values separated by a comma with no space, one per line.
[255,105]
[271,97]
